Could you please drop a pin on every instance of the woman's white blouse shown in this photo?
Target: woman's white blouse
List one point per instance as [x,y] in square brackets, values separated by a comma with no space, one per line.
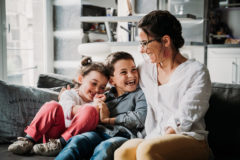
[181,103]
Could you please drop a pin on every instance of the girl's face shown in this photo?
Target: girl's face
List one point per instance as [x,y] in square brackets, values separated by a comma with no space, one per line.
[153,48]
[91,84]
[125,77]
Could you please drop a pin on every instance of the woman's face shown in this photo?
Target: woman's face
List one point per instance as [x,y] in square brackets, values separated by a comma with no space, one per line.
[153,48]
[91,84]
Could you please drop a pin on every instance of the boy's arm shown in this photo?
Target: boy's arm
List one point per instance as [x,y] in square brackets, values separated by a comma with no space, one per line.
[135,118]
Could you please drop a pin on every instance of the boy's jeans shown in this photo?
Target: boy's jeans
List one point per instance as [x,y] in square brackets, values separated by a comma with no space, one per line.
[83,145]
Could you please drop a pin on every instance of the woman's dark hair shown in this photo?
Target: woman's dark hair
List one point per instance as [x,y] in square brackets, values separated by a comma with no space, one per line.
[114,57]
[159,23]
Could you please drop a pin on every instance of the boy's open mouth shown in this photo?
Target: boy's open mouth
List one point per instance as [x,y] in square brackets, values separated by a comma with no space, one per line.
[131,83]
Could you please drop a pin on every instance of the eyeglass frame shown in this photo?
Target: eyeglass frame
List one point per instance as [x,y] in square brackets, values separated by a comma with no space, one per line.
[145,43]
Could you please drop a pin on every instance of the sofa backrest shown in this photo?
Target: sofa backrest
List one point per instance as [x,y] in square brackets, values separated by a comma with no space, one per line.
[223,120]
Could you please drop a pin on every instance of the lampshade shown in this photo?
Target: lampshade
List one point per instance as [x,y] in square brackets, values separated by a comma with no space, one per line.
[98,51]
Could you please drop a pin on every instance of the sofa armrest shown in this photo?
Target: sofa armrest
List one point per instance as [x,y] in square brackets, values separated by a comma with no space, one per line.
[222,120]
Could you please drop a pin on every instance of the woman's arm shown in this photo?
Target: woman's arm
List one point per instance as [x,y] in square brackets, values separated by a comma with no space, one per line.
[193,105]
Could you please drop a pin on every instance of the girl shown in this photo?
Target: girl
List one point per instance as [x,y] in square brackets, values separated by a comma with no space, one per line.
[74,114]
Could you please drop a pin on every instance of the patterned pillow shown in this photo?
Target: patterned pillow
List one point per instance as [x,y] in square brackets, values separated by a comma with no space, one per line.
[18,106]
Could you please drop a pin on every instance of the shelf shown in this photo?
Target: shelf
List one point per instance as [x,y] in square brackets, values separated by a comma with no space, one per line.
[100,3]
[230,5]
[185,16]
[110,19]
[126,18]
[223,46]
[135,18]
[136,43]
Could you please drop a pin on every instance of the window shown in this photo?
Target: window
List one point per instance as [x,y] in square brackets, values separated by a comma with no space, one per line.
[25,35]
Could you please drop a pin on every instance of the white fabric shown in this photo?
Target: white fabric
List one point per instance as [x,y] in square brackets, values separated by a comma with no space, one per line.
[181,103]
[68,99]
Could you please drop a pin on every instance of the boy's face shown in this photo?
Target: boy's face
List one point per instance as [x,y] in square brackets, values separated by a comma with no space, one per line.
[125,77]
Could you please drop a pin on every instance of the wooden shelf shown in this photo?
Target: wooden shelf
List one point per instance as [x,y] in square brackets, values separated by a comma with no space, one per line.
[110,19]
[135,18]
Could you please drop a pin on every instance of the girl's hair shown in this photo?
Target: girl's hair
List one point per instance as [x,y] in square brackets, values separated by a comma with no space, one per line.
[87,65]
[114,57]
[159,23]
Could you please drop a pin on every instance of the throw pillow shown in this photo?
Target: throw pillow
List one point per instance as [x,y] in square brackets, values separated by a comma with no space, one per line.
[18,106]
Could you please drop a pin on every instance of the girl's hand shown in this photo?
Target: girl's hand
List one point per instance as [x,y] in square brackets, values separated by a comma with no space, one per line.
[98,100]
[62,90]
[170,130]
[99,97]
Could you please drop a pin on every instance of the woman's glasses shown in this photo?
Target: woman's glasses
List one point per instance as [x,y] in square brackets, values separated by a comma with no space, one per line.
[145,43]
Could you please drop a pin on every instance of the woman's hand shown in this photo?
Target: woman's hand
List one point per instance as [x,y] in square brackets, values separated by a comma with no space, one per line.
[62,90]
[170,130]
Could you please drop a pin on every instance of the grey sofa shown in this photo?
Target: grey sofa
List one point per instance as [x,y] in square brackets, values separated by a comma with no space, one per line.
[19,104]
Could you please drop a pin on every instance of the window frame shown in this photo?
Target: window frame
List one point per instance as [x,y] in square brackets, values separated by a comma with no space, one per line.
[3,46]
[47,56]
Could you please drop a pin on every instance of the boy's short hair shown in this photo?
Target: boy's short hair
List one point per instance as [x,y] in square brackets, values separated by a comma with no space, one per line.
[114,57]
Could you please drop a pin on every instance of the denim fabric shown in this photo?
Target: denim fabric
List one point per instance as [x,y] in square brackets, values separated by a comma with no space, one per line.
[105,150]
[81,146]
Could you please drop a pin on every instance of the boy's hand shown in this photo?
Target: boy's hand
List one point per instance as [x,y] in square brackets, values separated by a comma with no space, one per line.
[104,112]
[62,90]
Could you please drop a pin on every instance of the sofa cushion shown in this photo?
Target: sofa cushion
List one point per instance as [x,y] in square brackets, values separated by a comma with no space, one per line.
[53,81]
[18,106]
[222,120]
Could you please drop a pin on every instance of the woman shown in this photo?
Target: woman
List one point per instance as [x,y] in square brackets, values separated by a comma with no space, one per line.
[177,91]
